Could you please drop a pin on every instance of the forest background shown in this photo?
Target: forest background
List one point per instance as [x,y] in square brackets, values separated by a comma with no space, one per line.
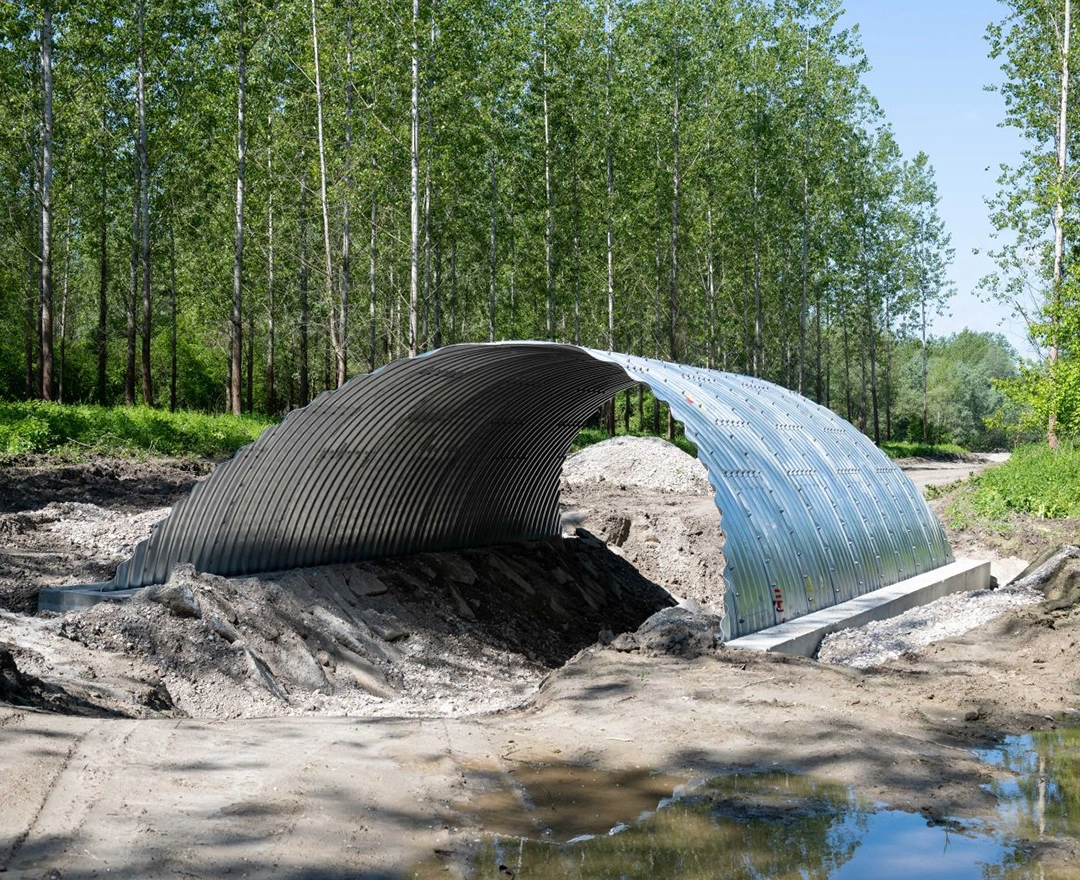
[232,206]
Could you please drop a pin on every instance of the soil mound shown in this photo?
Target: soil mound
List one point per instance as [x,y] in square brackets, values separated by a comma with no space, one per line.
[652,503]
[439,633]
[641,462]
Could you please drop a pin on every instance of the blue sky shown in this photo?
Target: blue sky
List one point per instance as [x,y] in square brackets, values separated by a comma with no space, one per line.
[930,67]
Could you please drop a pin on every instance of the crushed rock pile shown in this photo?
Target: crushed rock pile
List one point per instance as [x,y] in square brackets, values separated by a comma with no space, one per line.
[641,462]
[1055,577]
[438,633]
[651,503]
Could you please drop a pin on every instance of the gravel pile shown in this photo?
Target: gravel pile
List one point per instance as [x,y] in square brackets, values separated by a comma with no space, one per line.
[642,462]
[950,616]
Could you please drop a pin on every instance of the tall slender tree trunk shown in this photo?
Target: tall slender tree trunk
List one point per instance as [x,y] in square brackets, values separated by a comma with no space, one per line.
[803,304]
[64,312]
[46,280]
[710,284]
[576,246]
[925,372]
[328,268]
[673,274]
[373,255]
[173,318]
[346,243]
[304,354]
[271,302]
[549,197]
[236,329]
[1059,217]
[491,250]
[414,190]
[144,209]
[871,339]
[609,206]
[133,296]
[103,270]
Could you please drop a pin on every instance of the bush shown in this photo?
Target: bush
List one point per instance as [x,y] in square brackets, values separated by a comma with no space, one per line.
[907,449]
[38,426]
[1036,480]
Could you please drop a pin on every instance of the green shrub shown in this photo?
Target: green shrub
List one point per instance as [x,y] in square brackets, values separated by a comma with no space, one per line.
[907,449]
[1036,480]
[38,426]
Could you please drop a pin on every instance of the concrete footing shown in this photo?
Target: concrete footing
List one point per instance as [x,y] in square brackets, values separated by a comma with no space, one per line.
[63,599]
[804,635]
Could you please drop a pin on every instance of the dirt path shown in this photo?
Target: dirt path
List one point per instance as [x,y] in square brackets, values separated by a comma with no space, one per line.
[923,472]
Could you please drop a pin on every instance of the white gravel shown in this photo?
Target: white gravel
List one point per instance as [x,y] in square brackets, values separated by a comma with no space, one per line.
[950,616]
[644,462]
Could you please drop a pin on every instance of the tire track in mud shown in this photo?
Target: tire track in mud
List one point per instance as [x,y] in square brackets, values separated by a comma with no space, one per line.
[23,836]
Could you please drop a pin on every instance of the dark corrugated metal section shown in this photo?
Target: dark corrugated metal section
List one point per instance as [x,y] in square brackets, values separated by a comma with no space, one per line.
[463,447]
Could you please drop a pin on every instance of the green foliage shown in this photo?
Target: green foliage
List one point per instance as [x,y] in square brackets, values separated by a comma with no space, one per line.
[1038,481]
[37,426]
[964,398]
[910,449]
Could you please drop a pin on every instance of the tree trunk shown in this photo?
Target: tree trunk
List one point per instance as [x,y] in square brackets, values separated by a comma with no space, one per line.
[328,269]
[346,243]
[133,296]
[373,254]
[304,378]
[1059,219]
[673,274]
[871,339]
[576,248]
[103,272]
[414,190]
[491,252]
[174,314]
[925,370]
[236,330]
[144,203]
[805,224]
[64,311]
[549,200]
[46,281]
[271,304]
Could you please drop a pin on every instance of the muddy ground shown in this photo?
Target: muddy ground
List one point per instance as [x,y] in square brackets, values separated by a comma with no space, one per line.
[358,720]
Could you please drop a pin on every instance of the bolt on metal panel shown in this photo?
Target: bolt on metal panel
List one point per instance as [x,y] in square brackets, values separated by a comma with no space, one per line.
[463,447]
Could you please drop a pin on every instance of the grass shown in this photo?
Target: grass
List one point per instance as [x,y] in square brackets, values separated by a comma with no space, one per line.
[907,449]
[589,436]
[1035,481]
[74,430]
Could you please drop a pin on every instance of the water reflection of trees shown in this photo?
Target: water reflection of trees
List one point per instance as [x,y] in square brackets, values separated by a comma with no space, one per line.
[1043,798]
[762,825]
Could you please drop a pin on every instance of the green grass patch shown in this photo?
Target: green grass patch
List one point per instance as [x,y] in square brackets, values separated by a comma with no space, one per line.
[37,427]
[1035,481]
[589,436]
[907,449]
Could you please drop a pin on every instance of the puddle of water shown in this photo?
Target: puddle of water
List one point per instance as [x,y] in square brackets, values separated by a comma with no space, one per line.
[743,827]
[1041,798]
[560,801]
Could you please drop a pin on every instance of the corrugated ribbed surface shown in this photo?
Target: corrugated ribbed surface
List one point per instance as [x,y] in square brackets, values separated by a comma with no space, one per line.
[463,447]
[813,513]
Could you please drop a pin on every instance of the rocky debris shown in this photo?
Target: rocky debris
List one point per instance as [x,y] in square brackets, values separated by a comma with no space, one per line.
[1055,576]
[437,633]
[678,632]
[641,462]
[177,596]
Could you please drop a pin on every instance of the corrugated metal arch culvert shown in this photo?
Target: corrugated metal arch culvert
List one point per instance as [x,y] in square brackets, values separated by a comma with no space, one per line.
[463,447]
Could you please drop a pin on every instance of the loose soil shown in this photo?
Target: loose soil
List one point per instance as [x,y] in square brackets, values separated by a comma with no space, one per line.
[354,720]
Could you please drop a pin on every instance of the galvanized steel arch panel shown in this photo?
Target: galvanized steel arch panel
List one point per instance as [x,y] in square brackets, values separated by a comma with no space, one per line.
[463,447]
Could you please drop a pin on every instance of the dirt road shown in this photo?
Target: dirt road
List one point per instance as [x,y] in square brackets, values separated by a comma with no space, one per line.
[923,472]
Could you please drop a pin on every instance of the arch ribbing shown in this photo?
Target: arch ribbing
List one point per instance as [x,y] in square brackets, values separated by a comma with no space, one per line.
[463,447]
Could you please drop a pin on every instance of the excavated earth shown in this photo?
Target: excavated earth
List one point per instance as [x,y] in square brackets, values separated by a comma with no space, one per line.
[356,720]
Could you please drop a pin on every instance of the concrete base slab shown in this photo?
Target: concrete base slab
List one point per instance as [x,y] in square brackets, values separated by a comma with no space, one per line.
[803,636]
[63,599]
